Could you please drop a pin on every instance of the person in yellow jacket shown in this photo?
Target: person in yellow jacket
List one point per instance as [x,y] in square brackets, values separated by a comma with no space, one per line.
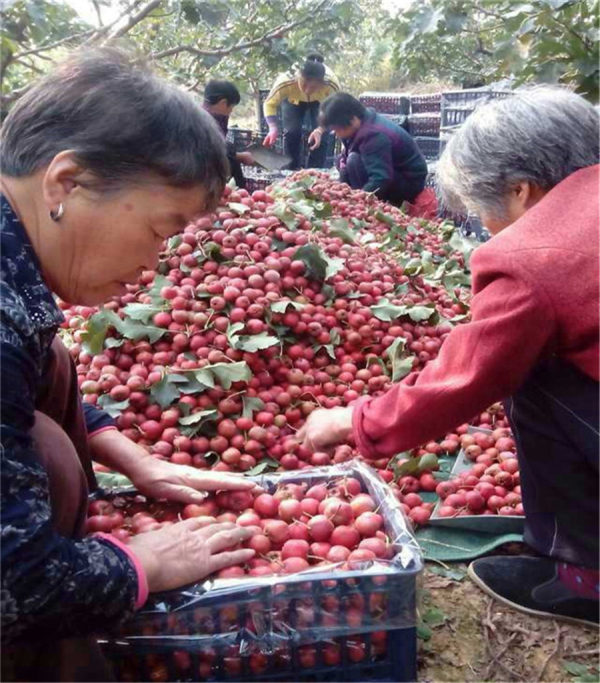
[299,95]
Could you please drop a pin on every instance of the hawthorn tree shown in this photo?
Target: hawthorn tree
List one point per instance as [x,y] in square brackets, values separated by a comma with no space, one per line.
[479,41]
[249,40]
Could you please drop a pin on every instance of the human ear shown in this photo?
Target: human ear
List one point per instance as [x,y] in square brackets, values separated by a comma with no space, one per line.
[60,179]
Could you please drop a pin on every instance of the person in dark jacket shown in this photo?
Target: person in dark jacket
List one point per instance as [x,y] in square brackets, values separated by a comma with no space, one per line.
[84,209]
[378,155]
[220,98]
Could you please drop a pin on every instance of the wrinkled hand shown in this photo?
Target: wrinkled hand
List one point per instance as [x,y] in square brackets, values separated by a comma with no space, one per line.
[271,137]
[325,428]
[245,158]
[188,551]
[314,139]
[159,479]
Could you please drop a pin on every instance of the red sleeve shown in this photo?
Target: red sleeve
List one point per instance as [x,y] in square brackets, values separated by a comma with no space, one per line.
[479,363]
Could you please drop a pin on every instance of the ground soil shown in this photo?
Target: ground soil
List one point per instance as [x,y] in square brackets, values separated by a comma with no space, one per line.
[467,636]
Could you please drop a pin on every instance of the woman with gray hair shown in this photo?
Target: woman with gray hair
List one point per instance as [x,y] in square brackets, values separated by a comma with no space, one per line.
[528,166]
[101,162]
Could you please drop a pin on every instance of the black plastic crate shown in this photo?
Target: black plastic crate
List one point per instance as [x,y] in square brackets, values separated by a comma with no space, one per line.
[240,138]
[386,102]
[326,623]
[424,124]
[465,98]
[454,116]
[420,104]
[399,119]
[429,146]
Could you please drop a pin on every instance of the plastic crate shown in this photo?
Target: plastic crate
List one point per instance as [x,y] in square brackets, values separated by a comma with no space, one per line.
[452,117]
[322,624]
[240,138]
[430,147]
[424,124]
[420,104]
[386,102]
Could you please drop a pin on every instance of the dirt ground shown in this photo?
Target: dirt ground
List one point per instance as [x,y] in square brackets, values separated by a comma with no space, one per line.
[467,636]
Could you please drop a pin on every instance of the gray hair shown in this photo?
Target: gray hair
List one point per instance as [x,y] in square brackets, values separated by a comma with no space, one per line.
[122,121]
[540,135]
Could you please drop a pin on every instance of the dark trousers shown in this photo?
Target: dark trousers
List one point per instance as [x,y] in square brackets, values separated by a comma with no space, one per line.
[554,417]
[400,190]
[293,116]
[235,169]
[61,441]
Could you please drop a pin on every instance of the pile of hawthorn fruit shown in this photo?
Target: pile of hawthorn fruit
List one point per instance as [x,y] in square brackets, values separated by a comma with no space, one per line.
[280,302]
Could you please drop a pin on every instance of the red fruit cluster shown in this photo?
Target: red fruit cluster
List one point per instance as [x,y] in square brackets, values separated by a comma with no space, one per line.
[492,486]
[296,526]
[260,313]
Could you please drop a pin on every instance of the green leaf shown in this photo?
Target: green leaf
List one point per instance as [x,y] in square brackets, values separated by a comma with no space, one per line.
[287,217]
[213,252]
[340,227]
[319,265]
[284,304]
[159,282]
[574,668]
[228,373]
[240,209]
[96,328]
[400,366]
[136,331]
[264,465]
[386,311]
[113,408]
[434,617]
[304,208]
[199,417]
[141,312]
[164,392]
[424,632]
[251,405]
[420,313]
[232,334]
[255,342]
[454,574]
[384,218]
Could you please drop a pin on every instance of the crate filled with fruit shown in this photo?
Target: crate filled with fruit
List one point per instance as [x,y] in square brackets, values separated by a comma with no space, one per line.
[330,592]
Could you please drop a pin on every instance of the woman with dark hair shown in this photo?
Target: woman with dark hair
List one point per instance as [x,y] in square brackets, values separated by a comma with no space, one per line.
[528,166]
[101,162]
[299,96]
[379,156]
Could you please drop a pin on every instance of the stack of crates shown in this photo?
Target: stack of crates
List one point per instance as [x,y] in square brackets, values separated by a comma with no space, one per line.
[387,102]
[458,105]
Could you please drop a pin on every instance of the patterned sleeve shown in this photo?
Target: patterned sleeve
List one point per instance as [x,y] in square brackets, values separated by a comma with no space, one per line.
[50,584]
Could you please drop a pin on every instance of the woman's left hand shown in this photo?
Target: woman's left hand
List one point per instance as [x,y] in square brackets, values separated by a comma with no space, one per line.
[159,478]
[314,139]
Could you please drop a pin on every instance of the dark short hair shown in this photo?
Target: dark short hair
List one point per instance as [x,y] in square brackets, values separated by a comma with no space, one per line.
[315,57]
[340,108]
[313,69]
[122,122]
[215,90]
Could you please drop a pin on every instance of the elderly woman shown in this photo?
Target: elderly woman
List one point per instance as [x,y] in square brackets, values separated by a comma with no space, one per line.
[528,166]
[101,162]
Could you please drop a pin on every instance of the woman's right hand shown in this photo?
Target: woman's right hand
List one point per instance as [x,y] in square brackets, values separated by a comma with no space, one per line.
[271,137]
[189,551]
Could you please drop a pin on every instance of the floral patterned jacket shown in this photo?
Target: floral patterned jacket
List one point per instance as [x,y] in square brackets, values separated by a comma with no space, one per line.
[51,585]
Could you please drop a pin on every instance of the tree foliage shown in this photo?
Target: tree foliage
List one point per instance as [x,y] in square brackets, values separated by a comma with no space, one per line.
[474,41]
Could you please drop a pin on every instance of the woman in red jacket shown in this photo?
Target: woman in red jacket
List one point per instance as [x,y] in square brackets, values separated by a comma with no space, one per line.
[528,166]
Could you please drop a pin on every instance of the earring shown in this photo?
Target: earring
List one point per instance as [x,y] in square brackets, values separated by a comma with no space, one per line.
[57,215]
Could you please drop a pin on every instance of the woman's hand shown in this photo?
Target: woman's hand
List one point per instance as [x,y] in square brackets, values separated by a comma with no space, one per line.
[326,427]
[271,137]
[314,139]
[186,552]
[160,479]
[157,478]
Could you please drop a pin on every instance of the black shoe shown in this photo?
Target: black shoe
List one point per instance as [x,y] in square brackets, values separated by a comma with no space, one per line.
[531,584]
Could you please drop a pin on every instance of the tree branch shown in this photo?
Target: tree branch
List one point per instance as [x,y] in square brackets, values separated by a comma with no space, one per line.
[134,19]
[50,46]
[224,51]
